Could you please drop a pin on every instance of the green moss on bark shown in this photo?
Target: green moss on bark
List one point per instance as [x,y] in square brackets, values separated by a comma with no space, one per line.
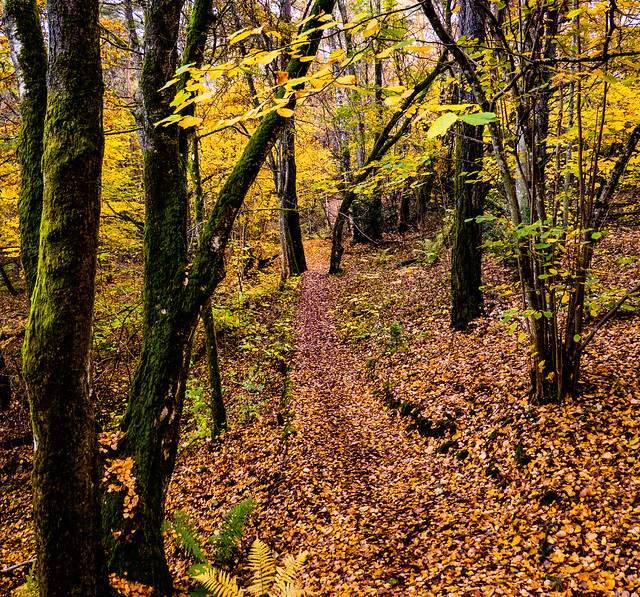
[29,56]
[58,338]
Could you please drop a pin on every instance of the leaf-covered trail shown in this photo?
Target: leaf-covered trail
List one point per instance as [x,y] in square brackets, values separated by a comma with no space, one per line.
[503,499]
[357,471]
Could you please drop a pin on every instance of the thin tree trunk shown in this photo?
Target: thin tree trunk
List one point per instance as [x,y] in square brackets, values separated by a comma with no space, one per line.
[29,56]
[5,385]
[57,361]
[216,403]
[289,215]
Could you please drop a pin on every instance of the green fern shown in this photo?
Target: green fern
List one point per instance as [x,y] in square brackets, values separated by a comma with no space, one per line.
[234,522]
[30,588]
[269,580]
[187,537]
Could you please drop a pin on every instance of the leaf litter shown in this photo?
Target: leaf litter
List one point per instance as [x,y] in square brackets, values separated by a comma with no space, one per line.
[415,464]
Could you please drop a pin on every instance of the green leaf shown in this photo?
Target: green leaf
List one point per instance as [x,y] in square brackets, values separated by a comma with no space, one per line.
[575,13]
[441,125]
[577,338]
[478,118]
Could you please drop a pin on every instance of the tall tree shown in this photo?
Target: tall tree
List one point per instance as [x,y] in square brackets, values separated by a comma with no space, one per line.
[174,292]
[290,232]
[466,254]
[57,366]
[557,339]
[29,56]
[293,249]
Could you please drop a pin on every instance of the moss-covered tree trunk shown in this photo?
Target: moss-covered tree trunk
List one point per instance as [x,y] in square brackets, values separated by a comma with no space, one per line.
[151,423]
[467,301]
[29,57]
[57,364]
[173,293]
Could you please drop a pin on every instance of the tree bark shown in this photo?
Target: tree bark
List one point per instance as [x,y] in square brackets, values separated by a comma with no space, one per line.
[5,385]
[174,293]
[467,301]
[29,56]
[216,403]
[289,215]
[57,365]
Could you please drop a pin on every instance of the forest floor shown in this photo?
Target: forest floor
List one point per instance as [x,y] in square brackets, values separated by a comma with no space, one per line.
[404,457]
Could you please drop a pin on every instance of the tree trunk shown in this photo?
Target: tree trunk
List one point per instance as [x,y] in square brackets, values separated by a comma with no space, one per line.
[218,410]
[290,217]
[29,56]
[466,255]
[216,403]
[467,301]
[5,385]
[57,364]
[174,293]
[151,423]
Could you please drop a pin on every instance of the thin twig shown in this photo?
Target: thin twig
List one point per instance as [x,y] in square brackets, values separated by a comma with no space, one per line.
[607,317]
[8,569]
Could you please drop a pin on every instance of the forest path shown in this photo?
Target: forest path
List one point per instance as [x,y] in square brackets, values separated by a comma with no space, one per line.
[358,494]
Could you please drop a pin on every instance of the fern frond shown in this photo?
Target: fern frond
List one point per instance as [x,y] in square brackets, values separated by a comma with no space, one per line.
[187,537]
[234,522]
[219,583]
[263,568]
[291,591]
[288,574]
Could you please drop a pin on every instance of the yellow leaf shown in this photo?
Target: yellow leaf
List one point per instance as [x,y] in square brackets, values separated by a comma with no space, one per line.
[268,57]
[420,49]
[188,121]
[285,112]
[336,55]
[347,80]
[371,29]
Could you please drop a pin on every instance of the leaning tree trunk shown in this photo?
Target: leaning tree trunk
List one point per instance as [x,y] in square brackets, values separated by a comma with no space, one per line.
[57,364]
[174,293]
[29,56]
[466,255]
[384,142]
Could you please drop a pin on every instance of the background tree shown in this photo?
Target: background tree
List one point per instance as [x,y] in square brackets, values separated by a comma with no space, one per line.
[466,254]
[549,280]
[29,56]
